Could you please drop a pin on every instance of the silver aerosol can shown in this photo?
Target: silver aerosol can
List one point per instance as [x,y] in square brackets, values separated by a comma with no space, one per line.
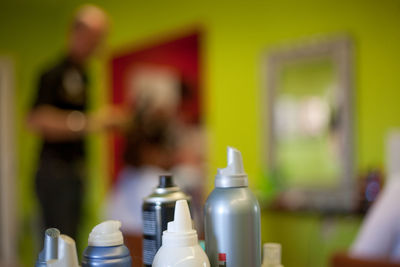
[158,209]
[232,218]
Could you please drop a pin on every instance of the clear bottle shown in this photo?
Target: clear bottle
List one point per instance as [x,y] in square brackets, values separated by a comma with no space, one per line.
[232,218]
[180,246]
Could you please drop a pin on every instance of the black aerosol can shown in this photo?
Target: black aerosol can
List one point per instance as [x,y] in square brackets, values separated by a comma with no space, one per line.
[157,210]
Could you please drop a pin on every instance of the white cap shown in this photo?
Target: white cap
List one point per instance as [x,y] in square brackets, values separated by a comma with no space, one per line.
[272,254]
[233,175]
[67,256]
[393,153]
[180,231]
[106,234]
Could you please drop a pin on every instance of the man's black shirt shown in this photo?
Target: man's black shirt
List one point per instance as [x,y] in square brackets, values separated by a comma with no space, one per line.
[63,86]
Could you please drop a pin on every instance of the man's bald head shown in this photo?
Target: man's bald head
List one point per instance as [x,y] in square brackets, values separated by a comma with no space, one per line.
[88,29]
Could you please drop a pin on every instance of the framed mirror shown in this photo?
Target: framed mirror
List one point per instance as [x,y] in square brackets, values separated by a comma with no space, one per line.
[309,124]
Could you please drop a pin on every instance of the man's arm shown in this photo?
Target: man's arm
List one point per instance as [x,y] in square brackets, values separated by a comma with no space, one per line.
[55,124]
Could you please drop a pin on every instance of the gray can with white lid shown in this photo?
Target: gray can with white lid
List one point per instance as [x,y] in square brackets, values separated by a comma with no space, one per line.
[106,247]
[157,210]
[113,256]
[232,218]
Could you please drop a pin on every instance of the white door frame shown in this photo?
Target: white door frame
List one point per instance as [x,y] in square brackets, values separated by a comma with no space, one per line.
[8,225]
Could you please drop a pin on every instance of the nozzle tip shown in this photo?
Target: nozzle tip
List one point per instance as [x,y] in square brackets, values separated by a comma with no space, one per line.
[182,220]
[235,161]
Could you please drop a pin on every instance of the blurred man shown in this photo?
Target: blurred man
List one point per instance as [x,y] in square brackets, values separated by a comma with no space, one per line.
[58,116]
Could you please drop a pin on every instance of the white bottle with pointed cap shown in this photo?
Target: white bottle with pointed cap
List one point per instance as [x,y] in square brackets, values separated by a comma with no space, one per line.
[232,218]
[180,246]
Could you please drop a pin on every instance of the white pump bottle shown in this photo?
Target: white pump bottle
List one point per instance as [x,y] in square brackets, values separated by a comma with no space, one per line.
[180,246]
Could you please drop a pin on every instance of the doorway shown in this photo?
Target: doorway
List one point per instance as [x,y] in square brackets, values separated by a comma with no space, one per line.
[7,166]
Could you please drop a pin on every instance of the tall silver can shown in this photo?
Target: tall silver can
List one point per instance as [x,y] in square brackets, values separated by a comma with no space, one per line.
[157,210]
[232,218]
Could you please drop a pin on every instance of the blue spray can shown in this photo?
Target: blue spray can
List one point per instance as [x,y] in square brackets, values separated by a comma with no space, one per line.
[106,247]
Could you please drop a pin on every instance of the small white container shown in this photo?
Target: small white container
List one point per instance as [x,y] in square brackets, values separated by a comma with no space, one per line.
[272,255]
[180,246]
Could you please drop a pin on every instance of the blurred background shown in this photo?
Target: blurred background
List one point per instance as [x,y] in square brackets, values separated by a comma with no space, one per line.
[307,91]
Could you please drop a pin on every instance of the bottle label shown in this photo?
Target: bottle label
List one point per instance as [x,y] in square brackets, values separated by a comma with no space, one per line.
[221,259]
[150,237]
[149,251]
[155,220]
[149,223]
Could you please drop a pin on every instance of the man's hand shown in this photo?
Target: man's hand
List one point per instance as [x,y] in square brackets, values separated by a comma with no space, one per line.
[55,124]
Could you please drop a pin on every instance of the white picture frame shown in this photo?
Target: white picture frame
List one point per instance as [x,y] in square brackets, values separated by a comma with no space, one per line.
[343,196]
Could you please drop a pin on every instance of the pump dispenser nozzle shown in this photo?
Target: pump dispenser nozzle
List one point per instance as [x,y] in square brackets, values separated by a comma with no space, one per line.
[233,175]
[59,250]
[50,249]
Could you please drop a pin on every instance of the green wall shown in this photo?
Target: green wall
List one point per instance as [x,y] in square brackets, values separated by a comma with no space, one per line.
[237,34]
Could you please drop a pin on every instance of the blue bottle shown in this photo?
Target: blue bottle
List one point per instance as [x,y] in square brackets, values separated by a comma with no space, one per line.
[106,247]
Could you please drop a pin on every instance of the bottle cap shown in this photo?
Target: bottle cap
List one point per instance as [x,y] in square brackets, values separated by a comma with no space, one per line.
[106,234]
[67,256]
[180,231]
[393,154]
[233,175]
[272,254]
[166,181]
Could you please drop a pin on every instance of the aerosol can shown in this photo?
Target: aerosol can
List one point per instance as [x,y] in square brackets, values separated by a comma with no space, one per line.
[232,218]
[158,209]
[106,247]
